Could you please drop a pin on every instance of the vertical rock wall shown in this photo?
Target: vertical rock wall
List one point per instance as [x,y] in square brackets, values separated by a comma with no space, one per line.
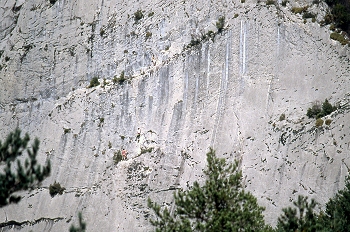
[227,92]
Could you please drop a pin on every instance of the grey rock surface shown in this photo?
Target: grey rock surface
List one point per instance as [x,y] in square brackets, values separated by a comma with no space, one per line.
[228,92]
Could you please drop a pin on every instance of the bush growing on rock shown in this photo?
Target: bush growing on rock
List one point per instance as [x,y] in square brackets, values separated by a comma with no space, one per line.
[117,157]
[317,112]
[339,37]
[220,24]
[270,2]
[299,10]
[94,82]
[319,122]
[119,80]
[138,15]
[314,111]
[327,108]
[55,189]
[282,117]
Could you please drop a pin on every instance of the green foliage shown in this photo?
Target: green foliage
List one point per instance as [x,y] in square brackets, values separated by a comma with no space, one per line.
[340,14]
[138,15]
[319,122]
[317,112]
[52,1]
[308,15]
[150,14]
[282,117]
[328,122]
[81,227]
[220,24]
[102,32]
[94,82]
[337,214]
[327,108]
[332,27]
[284,3]
[101,121]
[146,150]
[117,157]
[55,189]
[194,42]
[339,37]
[299,219]
[221,204]
[299,10]
[20,177]
[314,111]
[148,35]
[270,2]
[119,80]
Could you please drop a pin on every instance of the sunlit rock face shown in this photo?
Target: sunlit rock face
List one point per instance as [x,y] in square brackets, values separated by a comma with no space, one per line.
[244,91]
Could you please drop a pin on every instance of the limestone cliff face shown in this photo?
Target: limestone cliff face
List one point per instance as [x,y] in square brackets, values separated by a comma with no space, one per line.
[227,92]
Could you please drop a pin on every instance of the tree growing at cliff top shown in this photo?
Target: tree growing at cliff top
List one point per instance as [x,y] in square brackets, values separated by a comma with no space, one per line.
[221,204]
[20,177]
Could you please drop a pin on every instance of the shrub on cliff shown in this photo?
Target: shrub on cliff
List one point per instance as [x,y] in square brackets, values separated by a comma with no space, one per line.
[138,15]
[55,189]
[339,37]
[119,80]
[117,157]
[94,82]
[317,112]
[220,24]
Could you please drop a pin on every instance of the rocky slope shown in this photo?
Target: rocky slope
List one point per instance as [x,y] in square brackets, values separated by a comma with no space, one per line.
[186,91]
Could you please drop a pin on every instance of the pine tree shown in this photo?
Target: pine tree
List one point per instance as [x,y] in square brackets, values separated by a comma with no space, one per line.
[337,214]
[20,177]
[327,108]
[221,204]
[300,219]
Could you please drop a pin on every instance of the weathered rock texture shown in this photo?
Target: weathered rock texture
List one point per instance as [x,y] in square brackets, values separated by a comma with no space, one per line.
[227,92]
